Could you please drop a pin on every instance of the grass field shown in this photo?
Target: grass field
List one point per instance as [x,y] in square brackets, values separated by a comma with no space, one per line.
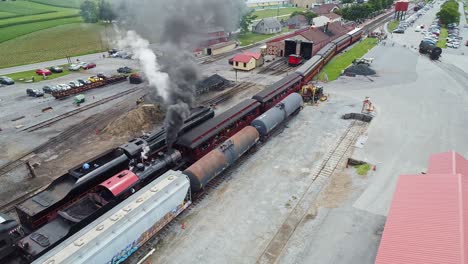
[442,43]
[29,12]
[53,43]
[12,32]
[25,76]
[340,62]
[392,25]
[251,38]
[61,3]
[274,12]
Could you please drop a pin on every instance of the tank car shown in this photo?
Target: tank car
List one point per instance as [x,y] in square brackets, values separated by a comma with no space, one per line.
[269,120]
[217,160]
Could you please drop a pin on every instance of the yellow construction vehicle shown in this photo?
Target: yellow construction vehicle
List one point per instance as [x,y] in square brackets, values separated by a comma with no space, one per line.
[313,93]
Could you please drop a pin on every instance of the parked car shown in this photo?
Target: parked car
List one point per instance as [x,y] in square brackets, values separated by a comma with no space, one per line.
[75,84]
[112,51]
[56,69]
[63,87]
[102,76]
[399,31]
[74,67]
[6,80]
[45,72]
[34,92]
[88,66]
[83,81]
[48,89]
[466,43]
[124,70]
[94,79]
[82,63]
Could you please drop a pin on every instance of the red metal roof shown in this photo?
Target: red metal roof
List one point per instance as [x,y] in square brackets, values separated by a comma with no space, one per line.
[255,55]
[428,216]
[242,58]
[120,182]
[448,162]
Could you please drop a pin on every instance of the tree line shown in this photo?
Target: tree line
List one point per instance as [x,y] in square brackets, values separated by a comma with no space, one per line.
[448,13]
[359,12]
[93,12]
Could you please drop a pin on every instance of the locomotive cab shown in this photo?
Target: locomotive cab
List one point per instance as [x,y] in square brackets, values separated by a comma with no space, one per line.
[10,233]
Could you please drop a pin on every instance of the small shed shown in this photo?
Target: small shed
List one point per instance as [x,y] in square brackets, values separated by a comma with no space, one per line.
[221,48]
[269,25]
[247,61]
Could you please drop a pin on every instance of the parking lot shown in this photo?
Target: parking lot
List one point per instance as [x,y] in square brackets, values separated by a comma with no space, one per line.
[413,38]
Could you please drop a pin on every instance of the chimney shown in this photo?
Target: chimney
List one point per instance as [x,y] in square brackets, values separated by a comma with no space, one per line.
[325,30]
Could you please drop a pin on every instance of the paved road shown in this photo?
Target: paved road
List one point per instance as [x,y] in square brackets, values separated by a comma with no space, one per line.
[96,57]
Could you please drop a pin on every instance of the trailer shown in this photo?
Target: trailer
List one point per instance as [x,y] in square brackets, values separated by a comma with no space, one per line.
[93,85]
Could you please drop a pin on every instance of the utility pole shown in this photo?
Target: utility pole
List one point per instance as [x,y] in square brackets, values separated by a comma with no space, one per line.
[277,12]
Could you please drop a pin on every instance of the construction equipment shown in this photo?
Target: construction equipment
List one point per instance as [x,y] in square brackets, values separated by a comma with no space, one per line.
[79,99]
[314,93]
[367,106]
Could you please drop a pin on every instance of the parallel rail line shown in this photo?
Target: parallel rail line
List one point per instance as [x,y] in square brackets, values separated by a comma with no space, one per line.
[320,176]
[79,110]
[68,133]
[228,94]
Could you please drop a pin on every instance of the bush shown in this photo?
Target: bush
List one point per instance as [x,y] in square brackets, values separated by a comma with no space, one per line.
[449,13]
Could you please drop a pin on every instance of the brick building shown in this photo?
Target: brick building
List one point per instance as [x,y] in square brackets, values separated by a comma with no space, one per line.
[319,36]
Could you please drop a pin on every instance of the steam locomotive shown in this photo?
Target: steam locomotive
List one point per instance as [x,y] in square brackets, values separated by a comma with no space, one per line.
[205,146]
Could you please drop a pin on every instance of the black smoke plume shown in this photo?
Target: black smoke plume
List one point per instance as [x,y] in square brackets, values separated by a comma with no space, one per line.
[178,26]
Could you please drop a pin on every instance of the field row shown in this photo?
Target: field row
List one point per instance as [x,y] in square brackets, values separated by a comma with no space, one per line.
[12,32]
[60,3]
[53,43]
[23,12]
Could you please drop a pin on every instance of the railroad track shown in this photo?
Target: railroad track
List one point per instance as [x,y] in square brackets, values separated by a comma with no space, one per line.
[79,110]
[332,160]
[88,124]
[8,208]
[214,184]
[276,68]
[228,94]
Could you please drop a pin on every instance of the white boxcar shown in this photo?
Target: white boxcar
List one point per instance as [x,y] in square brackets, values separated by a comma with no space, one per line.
[113,237]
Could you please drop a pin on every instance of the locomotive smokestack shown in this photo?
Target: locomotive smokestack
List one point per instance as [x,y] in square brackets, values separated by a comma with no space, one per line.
[179,27]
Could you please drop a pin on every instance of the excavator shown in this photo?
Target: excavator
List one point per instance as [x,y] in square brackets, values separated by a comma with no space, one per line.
[313,93]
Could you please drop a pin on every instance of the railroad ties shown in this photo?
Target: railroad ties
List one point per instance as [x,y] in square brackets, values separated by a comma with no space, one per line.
[278,67]
[227,94]
[332,160]
[79,110]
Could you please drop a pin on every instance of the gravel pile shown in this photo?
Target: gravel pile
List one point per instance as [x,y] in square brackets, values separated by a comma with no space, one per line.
[360,69]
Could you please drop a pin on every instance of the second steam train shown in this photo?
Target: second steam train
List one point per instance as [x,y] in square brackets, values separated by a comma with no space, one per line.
[205,146]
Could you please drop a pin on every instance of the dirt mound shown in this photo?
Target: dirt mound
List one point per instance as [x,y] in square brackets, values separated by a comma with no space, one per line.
[134,123]
[360,69]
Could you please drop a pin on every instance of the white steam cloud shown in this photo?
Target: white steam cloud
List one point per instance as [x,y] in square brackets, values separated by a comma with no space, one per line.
[148,61]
